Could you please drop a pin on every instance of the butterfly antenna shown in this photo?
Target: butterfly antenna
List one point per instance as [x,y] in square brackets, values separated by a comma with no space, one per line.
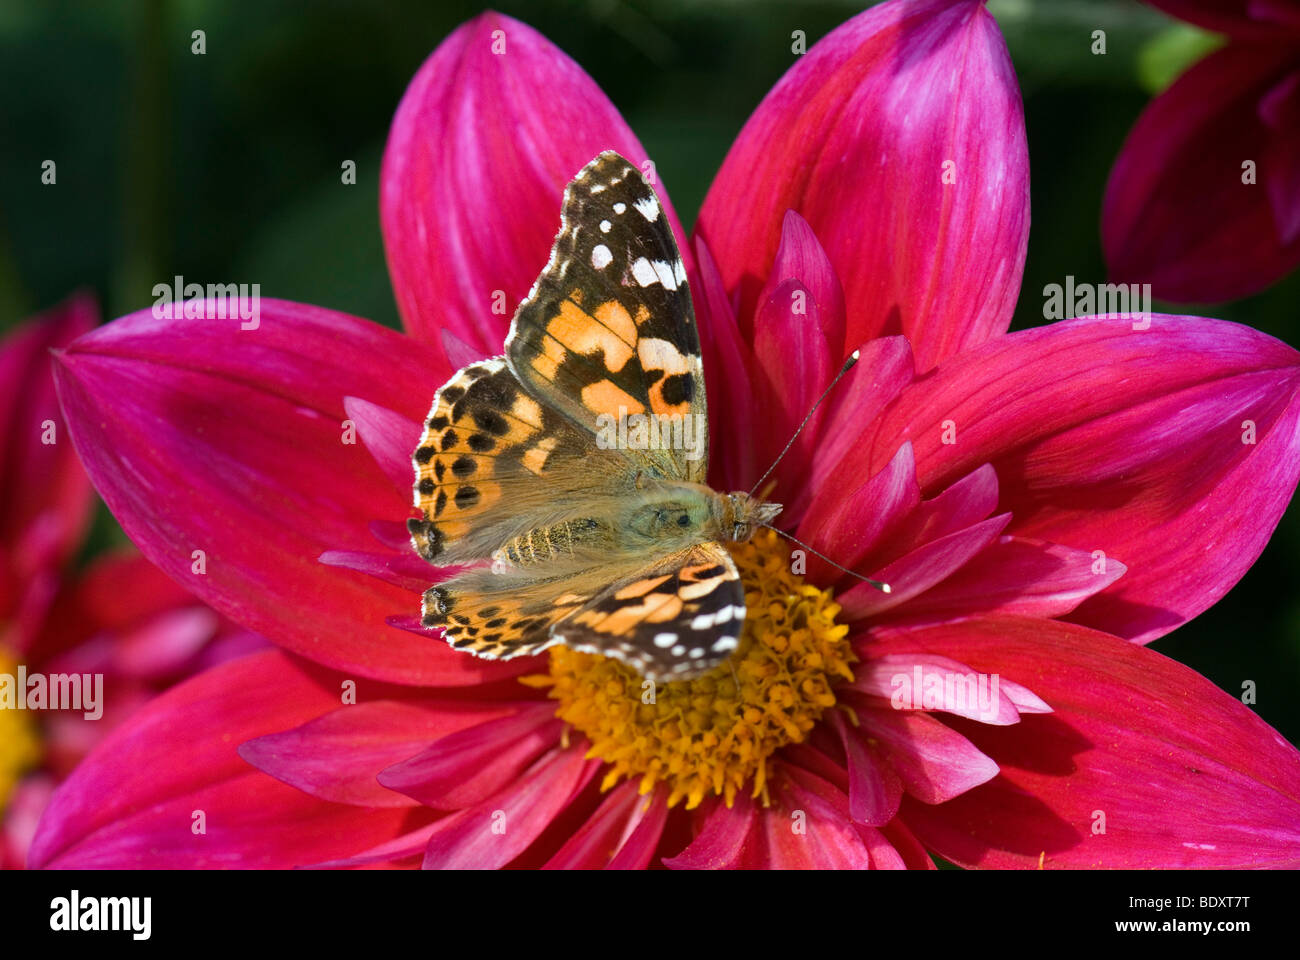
[848,365]
[879,585]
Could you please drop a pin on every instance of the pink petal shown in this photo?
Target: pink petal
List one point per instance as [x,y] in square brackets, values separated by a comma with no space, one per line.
[498,830]
[875,791]
[934,761]
[131,804]
[792,366]
[467,766]
[1017,575]
[849,528]
[809,829]
[1269,20]
[390,437]
[1185,775]
[721,841]
[205,437]
[1121,440]
[491,128]
[903,677]
[854,138]
[1177,214]
[338,756]
[1280,111]
[728,371]
[921,569]
[45,497]
[623,833]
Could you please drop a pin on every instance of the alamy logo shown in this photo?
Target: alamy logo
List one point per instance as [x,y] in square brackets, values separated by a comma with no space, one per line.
[74,913]
[962,693]
[652,431]
[216,301]
[1127,300]
[55,691]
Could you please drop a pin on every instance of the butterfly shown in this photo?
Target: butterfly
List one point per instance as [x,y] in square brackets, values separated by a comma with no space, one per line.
[567,477]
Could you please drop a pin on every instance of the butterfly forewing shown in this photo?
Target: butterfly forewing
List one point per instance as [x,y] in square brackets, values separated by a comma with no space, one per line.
[608,330]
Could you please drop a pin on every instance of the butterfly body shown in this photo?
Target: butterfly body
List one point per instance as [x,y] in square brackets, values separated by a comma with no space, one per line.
[568,476]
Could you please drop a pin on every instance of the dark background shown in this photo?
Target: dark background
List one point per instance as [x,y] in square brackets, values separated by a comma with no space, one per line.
[228,164]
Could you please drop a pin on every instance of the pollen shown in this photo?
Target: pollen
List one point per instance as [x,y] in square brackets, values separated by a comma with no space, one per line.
[20,748]
[715,734]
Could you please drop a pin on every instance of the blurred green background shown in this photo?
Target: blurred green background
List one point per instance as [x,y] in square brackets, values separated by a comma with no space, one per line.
[227,165]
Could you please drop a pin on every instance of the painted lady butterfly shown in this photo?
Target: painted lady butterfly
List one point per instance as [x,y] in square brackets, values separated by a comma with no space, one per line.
[564,474]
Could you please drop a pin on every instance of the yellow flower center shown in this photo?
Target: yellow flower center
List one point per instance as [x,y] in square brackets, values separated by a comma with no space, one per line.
[715,733]
[20,748]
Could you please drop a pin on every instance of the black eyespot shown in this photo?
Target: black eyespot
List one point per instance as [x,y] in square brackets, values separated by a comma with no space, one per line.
[684,520]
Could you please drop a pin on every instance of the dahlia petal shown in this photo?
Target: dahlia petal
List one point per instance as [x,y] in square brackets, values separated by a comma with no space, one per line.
[45,498]
[403,570]
[881,852]
[490,130]
[1248,19]
[337,756]
[623,833]
[468,766]
[880,678]
[934,761]
[1018,575]
[848,528]
[490,835]
[884,367]
[728,365]
[857,138]
[233,446]
[963,504]
[906,845]
[810,829]
[129,804]
[408,845]
[721,841]
[391,439]
[800,257]
[459,353]
[1280,110]
[1180,212]
[875,791]
[1185,775]
[921,569]
[1135,443]
[792,366]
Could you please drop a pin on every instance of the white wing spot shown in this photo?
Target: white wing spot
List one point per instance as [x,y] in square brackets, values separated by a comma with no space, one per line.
[648,207]
[665,274]
[601,257]
[665,640]
[604,226]
[644,273]
[620,207]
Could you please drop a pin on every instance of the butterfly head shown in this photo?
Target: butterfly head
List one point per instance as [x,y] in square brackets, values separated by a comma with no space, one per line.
[743,514]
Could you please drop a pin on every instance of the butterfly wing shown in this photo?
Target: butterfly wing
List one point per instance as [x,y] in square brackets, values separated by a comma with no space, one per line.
[608,330]
[494,462]
[676,618]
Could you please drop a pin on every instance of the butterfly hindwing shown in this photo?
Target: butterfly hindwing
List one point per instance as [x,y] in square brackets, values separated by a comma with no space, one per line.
[608,330]
[499,617]
[677,618]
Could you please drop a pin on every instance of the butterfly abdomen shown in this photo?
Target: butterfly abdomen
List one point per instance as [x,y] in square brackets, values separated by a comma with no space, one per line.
[557,541]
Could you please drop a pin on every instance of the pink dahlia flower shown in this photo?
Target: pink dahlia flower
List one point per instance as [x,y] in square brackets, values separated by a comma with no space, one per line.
[1204,200]
[121,617]
[1044,503]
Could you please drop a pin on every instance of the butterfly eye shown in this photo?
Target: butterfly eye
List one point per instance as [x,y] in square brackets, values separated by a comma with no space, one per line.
[684,520]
